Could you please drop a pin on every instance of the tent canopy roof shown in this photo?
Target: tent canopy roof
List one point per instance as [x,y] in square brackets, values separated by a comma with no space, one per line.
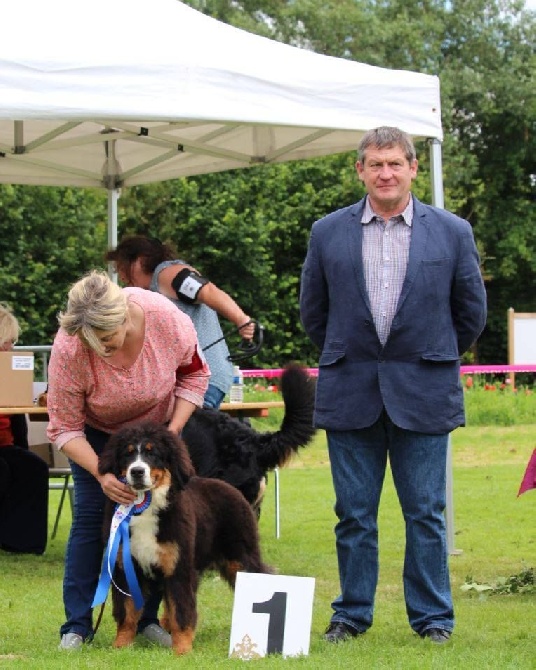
[123,92]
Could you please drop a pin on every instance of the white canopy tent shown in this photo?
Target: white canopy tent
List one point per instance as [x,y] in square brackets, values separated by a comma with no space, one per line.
[114,93]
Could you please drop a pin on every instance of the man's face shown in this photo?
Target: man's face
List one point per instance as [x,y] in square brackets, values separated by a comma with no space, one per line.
[387,175]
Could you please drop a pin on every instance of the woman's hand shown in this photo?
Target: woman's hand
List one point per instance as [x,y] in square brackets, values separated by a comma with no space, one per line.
[116,490]
[247,330]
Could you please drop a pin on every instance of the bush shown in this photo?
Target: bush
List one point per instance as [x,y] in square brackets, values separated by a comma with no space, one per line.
[496,403]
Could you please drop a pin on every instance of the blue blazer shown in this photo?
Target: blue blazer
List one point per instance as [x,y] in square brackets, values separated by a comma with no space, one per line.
[440,313]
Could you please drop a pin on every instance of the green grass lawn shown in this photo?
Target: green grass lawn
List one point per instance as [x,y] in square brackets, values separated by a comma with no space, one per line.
[495,533]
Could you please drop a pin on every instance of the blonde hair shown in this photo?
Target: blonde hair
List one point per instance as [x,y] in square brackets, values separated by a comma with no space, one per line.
[94,302]
[9,326]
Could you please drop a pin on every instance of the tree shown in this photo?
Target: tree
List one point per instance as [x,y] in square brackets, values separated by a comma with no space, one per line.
[483,53]
[248,229]
[50,237]
[493,122]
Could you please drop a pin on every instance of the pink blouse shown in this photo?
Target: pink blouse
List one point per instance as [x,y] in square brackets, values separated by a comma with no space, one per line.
[84,388]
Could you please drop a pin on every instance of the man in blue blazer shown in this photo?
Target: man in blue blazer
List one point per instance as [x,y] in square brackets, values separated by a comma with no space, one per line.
[392,295]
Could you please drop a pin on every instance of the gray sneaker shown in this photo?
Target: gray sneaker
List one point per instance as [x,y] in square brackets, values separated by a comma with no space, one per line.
[157,635]
[71,641]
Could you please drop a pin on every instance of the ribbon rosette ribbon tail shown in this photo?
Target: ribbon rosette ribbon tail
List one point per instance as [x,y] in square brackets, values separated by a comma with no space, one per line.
[119,534]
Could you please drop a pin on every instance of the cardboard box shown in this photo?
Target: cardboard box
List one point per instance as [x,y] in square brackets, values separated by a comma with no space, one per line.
[16,378]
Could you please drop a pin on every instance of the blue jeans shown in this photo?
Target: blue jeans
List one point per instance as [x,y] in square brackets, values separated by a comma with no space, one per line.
[418,463]
[85,549]
[213,397]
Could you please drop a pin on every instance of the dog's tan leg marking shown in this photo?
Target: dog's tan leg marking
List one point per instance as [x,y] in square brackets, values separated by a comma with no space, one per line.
[182,639]
[126,632]
[168,557]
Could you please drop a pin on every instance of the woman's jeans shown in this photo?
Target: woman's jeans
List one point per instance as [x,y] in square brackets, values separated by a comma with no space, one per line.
[418,464]
[85,550]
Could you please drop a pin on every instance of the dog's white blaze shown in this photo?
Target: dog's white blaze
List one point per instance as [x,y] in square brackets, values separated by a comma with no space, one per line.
[139,463]
[144,528]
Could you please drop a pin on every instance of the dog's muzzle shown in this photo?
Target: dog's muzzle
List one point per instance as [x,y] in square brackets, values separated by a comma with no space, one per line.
[139,476]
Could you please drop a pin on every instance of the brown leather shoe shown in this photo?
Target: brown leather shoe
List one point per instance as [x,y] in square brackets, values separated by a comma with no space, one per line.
[337,631]
[437,635]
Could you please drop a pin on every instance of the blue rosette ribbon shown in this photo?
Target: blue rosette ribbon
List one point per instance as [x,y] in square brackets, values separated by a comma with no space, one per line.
[119,534]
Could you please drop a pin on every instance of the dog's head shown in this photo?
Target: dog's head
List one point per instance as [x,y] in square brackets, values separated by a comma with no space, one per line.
[147,455]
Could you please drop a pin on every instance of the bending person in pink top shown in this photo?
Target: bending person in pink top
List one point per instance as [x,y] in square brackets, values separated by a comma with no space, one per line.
[121,356]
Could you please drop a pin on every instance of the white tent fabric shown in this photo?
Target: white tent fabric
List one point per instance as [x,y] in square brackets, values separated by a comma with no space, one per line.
[121,92]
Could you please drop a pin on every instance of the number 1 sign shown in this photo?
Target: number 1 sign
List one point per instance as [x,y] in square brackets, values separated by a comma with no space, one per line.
[271,615]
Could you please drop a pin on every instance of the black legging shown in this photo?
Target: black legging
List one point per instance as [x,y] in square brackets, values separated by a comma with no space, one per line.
[23,501]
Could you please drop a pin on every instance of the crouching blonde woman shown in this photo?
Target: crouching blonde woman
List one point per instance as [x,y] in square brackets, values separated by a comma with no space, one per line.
[121,355]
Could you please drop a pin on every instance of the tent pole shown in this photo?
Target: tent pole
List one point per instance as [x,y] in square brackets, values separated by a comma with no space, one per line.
[436,168]
[113,197]
[438,200]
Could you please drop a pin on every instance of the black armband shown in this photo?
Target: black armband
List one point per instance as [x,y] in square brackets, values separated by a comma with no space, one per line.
[187,284]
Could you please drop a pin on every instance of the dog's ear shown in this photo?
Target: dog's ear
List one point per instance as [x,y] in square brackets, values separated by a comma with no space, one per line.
[181,466]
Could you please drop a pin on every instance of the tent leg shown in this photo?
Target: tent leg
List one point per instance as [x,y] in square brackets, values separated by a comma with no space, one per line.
[436,167]
[438,200]
[113,197]
[277,508]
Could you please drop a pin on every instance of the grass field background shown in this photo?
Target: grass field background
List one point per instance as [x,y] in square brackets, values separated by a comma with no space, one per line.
[495,533]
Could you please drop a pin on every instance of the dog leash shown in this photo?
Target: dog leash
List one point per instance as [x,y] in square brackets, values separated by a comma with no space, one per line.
[99,619]
[246,348]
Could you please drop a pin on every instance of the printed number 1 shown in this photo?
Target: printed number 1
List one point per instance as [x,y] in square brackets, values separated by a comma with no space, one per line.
[276,607]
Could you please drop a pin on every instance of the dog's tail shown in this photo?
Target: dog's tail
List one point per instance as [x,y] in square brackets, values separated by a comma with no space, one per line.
[296,430]
[225,448]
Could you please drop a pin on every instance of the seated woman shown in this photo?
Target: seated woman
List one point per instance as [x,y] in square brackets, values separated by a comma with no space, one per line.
[23,475]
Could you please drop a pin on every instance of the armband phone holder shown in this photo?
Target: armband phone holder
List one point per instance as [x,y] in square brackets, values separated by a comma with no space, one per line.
[187,284]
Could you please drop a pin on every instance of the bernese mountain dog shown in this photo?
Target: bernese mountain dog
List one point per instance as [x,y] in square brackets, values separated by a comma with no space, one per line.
[223,447]
[190,525]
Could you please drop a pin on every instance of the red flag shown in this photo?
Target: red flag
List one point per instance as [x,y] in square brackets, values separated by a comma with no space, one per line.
[529,480]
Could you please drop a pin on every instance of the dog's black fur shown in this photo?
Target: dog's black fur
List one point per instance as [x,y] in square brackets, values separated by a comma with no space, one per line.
[226,448]
[192,524]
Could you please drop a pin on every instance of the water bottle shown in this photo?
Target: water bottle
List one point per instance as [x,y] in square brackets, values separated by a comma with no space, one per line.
[237,388]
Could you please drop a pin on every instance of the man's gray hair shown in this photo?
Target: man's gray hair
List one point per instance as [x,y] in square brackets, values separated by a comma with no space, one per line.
[386,137]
